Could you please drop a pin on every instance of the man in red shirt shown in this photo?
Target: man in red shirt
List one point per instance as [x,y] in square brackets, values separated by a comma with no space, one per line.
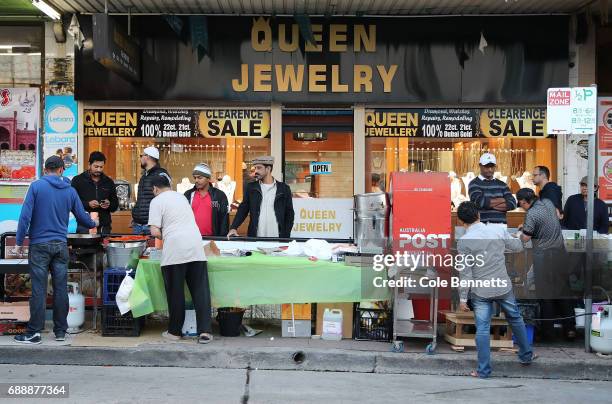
[208,203]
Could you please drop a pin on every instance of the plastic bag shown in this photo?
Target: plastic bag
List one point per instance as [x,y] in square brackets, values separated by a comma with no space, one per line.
[320,249]
[123,294]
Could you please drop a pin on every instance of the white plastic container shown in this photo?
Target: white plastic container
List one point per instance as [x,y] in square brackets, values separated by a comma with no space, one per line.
[601,331]
[332,325]
[76,307]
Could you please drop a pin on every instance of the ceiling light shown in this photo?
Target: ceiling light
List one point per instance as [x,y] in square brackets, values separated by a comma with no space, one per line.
[14,46]
[47,9]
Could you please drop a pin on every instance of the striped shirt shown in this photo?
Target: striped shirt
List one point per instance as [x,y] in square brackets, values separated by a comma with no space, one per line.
[481,192]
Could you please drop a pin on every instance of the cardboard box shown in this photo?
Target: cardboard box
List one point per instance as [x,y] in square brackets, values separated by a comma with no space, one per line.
[301,311]
[18,311]
[302,328]
[12,328]
[347,317]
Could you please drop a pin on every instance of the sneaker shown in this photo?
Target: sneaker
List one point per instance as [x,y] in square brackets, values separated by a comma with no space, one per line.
[29,338]
[205,338]
[170,337]
[60,337]
[534,356]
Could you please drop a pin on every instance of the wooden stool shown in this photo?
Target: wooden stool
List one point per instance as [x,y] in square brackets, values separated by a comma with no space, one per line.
[454,330]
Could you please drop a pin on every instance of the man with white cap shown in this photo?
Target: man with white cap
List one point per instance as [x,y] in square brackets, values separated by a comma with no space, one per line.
[268,203]
[149,161]
[208,203]
[492,196]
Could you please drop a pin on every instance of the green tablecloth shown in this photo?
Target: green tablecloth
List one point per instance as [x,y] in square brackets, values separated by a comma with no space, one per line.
[262,279]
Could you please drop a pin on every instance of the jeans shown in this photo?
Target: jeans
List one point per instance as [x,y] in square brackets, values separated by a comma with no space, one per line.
[196,275]
[42,257]
[483,313]
[142,229]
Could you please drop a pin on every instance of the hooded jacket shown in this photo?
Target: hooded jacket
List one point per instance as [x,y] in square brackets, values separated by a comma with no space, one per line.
[46,210]
[140,213]
[552,192]
[220,217]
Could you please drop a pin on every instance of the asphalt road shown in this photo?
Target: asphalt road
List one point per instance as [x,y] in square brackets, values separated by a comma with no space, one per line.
[186,385]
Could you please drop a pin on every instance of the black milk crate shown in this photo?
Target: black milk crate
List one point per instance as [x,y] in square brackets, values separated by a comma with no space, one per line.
[372,324]
[116,325]
[110,285]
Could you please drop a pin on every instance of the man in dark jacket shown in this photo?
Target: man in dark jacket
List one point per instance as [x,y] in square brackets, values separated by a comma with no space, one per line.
[208,203]
[44,218]
[574,214]
[268,202]
[548,189]
[97,192]
[149,161]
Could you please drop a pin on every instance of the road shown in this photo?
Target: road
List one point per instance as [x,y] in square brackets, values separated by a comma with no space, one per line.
[188,385]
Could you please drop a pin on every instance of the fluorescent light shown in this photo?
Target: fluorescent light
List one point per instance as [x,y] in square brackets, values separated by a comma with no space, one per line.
[20,54]
[47,9]
[14,46]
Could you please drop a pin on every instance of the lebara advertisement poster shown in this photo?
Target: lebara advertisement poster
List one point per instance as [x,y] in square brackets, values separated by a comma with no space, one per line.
[19,126]
[61,131]
[60,138]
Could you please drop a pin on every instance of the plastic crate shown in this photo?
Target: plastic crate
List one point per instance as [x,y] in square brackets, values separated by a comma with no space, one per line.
[372,324]
[110,285]
[116,325]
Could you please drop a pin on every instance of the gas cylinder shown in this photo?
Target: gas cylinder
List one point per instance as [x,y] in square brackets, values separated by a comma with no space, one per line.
[76,307]
[601,331]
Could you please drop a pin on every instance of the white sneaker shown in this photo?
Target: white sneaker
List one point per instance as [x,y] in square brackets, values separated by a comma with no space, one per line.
[170,337]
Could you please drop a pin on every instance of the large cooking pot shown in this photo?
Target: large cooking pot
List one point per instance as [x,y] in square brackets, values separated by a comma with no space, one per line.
[371,204]
[124,254]
[84,240]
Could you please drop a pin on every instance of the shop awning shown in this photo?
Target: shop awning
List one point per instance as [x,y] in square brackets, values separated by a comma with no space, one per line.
[325,7]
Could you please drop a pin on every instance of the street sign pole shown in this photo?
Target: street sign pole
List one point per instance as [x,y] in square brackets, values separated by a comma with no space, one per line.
[588,271]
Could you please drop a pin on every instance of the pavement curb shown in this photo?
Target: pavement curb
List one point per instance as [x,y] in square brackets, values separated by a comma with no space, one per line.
[328,360]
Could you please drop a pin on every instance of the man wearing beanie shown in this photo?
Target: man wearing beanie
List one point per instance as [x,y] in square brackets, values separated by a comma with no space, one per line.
[209,205]
[44,218]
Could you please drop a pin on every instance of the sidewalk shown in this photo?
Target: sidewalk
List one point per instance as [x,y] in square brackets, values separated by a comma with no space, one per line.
[269,351]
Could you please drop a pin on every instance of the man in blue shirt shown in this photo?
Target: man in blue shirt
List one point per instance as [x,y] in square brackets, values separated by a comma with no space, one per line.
[44,217]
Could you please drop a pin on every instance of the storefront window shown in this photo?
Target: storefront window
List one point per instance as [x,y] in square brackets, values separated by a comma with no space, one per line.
[304,145]
[229,159]
[515,159]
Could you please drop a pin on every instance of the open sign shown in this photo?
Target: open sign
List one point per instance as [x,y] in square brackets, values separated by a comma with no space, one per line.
[319,167]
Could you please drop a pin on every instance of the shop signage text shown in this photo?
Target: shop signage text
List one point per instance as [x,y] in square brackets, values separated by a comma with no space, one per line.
[323,218]
[320,167]
[175,123]
[450,123]
[114,49]
[572,110]
[313,78]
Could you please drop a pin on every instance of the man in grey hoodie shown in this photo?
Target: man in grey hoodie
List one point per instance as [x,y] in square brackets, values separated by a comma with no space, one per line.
[44,217]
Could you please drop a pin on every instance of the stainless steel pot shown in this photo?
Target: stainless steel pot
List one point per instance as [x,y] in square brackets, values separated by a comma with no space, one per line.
[84,240]
[124,255]
[374,203]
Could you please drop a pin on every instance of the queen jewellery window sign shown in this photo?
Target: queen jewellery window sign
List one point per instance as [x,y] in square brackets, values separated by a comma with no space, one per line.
[176,123]
[457,123]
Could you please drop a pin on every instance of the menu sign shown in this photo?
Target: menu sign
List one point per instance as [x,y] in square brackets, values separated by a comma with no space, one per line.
[176,123]
[456,123]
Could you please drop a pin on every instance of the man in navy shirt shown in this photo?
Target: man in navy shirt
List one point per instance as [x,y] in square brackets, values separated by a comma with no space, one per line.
[574,214]
[548,189]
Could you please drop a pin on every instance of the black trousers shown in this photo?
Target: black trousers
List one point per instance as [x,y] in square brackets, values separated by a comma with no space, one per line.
[196,275]
[551,269]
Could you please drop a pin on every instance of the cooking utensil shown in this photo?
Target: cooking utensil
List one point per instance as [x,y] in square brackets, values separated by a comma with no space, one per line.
[84,240]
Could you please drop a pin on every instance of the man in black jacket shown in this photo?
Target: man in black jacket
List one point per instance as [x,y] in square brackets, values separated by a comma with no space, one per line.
[149,161]
[268,202]
[548,189]
[97,192]
[208,203]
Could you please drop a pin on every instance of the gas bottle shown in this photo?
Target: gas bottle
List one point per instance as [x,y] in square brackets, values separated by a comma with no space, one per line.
[76,307]
[332,325]
[601,331]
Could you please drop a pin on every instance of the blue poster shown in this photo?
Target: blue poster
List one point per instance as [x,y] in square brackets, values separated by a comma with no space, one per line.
[61,134]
